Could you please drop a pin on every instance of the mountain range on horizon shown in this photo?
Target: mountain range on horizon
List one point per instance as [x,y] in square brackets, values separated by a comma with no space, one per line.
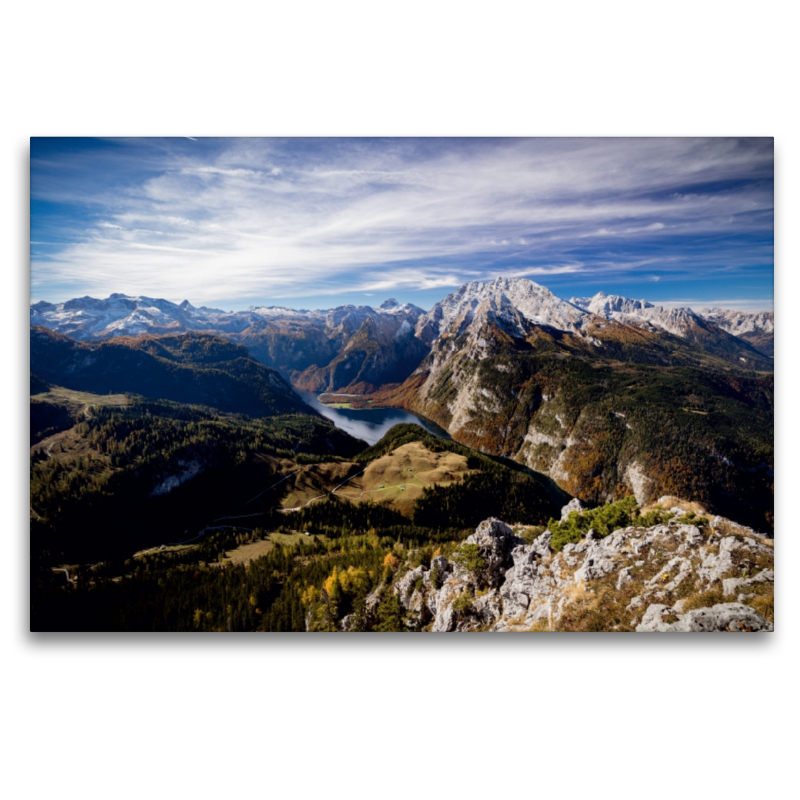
[604,395]
[360,348]
[120,314]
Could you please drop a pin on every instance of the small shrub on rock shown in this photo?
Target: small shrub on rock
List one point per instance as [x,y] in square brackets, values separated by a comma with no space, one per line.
[463,603]
[468,556]
[604,519]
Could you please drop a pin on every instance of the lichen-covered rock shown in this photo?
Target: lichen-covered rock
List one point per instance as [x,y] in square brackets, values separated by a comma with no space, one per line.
[573,505]
[495,541]
[520,587]
[441,565]
[406,585]
[418,608]
[488,608]
[411,590]
[716,565]
[691,537]
[732,585]
[672,575]
[659,568]
[541,544]
[624,577]
[446,615]
[599,561]
[732,617]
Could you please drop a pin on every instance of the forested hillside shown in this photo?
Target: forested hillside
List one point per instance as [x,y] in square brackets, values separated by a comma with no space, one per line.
[203,484]
[603,427]
[189,368]
[146,473]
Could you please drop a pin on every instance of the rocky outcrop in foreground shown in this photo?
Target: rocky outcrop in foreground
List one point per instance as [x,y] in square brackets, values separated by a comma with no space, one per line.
[678,576]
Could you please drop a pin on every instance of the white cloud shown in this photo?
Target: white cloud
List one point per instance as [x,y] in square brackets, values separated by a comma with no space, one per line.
[258,217]
[543,271]
[237,173]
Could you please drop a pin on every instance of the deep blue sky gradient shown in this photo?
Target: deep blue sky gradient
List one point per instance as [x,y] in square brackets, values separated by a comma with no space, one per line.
[315,223]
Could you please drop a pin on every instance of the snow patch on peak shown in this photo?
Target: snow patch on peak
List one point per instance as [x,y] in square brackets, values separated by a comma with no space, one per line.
[604,304]
[739,322]
[641,313]
[276,311]
[508,301]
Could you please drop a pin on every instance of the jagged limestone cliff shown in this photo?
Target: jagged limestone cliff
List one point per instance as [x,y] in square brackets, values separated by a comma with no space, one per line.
[690,573]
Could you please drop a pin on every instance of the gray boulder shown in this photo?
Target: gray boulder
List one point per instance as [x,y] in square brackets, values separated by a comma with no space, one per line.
[442,564]
[445,616]
[405,587]
[527,584]
[732,585]
[624,577]
[732,617]
[541,544]
[495,541]
[488,608]
[573,505]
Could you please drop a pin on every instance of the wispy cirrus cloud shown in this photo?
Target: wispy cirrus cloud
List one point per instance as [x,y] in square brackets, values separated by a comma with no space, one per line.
[251,221]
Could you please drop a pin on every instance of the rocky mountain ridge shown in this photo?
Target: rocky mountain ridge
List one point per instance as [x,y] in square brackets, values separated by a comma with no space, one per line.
[677,321]
[758,329]
[740,322]
[686,573]
[335,349]
[755,328]
[88,318]
[601,405]
[612,397]
[319,350]
[510,303]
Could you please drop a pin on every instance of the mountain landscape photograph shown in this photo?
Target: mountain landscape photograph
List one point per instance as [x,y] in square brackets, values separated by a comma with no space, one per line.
[402,385]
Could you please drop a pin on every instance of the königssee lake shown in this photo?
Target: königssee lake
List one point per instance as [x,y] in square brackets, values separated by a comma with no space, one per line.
[370,424]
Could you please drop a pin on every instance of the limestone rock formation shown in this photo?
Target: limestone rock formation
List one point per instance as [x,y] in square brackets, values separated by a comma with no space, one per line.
[672,577]
[573,505]
[721,617]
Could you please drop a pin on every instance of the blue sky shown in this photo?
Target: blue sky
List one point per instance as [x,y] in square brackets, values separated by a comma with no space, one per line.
[315,223]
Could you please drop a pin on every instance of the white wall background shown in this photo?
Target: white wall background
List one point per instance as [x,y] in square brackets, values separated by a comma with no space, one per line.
[157,716]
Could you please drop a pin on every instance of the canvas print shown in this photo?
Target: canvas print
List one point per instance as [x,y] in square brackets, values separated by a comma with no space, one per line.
[401,385]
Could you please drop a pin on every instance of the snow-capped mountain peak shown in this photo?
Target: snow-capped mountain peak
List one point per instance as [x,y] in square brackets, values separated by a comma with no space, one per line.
[604,304]
[641,313]
[507,301]
[739,322]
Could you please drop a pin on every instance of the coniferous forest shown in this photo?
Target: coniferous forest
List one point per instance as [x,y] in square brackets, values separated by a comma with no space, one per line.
[111,550]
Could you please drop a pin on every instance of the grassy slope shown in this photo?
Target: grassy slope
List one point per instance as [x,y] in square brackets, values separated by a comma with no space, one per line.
[396,479]
[54,409]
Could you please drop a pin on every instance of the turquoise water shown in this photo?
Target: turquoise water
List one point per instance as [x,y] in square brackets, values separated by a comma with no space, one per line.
[370,424]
